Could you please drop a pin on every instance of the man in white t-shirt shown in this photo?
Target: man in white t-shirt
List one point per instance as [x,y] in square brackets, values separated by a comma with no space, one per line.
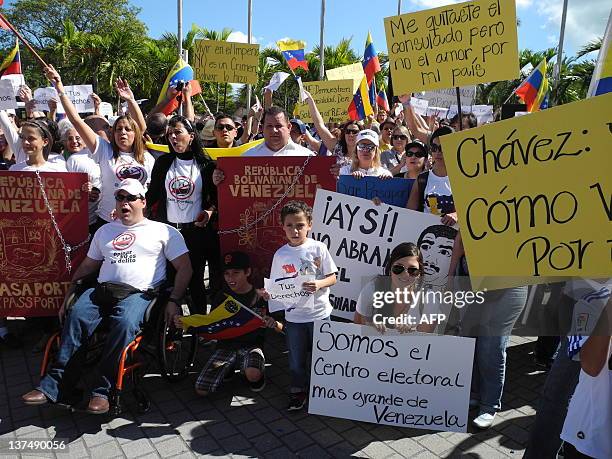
[131,254]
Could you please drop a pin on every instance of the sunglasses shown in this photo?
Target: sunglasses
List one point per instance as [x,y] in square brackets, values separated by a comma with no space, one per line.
[352,131]
[435,147]
[418,154]
[398,269]
[399,137]
[126,197]
[365,147]
[227,127]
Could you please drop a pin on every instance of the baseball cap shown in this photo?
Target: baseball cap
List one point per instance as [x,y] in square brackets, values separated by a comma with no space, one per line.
[132,186]
[300,124]
[387,121]
[236,260]
[417,143]
[368,134]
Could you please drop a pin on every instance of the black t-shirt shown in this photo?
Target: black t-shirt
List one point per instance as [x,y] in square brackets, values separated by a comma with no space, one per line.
[256,304]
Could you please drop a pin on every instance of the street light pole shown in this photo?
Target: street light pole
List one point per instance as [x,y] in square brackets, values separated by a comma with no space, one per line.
[322,44]
[250,40]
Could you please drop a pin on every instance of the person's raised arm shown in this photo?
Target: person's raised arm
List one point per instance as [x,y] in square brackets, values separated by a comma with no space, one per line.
[125,92]
[96,103]
[171,93]
[414,121]
[327,137]
[252,122]
[188,110]
[11,134]
[88,135]
[267,102]
[313,144]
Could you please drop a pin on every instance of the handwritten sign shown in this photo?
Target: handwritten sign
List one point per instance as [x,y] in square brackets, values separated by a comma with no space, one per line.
[7,95]
[420,106]
[535,191]
[394,191]
[33,274]
[360,237]
[417,381]
[455,45]
[41,98]
[79,95]
[225,61]
[446,97]
[332,98]
[352,72]
[286,293]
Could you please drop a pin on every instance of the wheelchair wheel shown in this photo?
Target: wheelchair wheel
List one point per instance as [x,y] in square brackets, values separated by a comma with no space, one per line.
[176,350]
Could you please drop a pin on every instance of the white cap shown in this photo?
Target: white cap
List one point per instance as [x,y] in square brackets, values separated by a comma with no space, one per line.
[368,134]
[132,186]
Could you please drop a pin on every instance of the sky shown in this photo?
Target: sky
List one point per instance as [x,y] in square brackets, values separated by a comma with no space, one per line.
[276,19]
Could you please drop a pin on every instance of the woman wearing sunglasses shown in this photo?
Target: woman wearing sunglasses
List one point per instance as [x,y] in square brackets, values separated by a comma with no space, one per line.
[417,159]
[394,159]
[403,274]
[366,163]
[182,195]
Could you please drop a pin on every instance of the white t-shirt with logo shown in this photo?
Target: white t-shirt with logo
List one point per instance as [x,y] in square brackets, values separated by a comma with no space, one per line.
[588,424]
[438,195]
[46,167]
[310,258]
[371,172]
[291,149]
[113,171]
[136,255]
[82,162]
[183,191]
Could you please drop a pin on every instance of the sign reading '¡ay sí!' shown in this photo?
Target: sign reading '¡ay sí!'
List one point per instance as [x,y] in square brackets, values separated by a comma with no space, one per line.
[455,45]
[225,61]
[332,98]
[535,191]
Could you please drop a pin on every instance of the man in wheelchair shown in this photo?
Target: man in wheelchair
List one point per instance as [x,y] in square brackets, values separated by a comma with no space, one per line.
[131,254]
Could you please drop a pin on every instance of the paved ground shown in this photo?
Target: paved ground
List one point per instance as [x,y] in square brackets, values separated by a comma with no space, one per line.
[238,423]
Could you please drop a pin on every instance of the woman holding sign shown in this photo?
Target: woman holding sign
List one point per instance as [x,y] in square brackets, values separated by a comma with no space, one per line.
[366,163]
[123,157]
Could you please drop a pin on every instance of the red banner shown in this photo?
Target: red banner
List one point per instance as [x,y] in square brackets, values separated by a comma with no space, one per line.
[33,273]
[252,186]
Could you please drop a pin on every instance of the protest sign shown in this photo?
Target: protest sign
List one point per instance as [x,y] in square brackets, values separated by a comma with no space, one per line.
[437,111]
[353,72]
[79,95]
[417,381]
[419,105]
[360,237]
[535,191]
[455,45]
[41,98]
[7,95]
[33,274]
[446,97]
[106,109]
[394,191]
[483,113]
[332,98]
[252,186]
[288,292]
[225,61]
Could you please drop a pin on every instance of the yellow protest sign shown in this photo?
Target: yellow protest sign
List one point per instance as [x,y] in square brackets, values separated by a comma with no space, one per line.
[533,193]
[332,98]
[348,72]
[225,61]
[455,45]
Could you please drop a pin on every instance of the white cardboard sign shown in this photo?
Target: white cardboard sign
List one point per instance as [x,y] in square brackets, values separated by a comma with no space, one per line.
[79,95]
[7,95]
[42,96]
[414,380]
[288,293]
[446,97]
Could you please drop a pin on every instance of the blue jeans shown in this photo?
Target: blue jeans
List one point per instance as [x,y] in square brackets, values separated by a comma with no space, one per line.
[562,379]
[299,343]
[491,324]
[124,324]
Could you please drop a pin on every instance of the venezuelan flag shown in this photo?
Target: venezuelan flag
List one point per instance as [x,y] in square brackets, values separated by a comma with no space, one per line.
[11,65]
[360,106]
[214,153]
[293,52]
[181,71]
[382,101]
[371,64]
[533,90]
[228,320]
[601,82]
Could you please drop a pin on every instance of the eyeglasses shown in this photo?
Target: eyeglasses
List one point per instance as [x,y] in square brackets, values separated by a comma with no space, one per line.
[411,270]
[418,154]
[399,137]
[227,127]
[435,147]
[126,197]
[352,131]
[367,147]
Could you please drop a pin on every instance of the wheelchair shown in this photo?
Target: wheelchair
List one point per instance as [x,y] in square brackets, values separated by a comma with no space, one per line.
[173,350]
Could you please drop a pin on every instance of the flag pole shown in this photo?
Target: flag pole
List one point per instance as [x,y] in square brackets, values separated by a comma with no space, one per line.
[321,43]
[399,7]
[23,40]
[459,111]
[249,40]
[557,74]
[279,326]
[179,10]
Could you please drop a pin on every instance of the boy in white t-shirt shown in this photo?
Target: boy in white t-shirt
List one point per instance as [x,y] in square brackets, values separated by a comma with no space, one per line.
[302,256]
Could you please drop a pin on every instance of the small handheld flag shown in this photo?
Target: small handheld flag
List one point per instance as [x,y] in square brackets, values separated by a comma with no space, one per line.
[293,52]
[360,106]
[181,71]
[381,101]
[533,90]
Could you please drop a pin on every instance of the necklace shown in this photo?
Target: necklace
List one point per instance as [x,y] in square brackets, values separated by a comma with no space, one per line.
[176,185]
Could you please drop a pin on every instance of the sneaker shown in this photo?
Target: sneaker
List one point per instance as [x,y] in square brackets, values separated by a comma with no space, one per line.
[11,341]
[258,386]
[484,420]
[297,401]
